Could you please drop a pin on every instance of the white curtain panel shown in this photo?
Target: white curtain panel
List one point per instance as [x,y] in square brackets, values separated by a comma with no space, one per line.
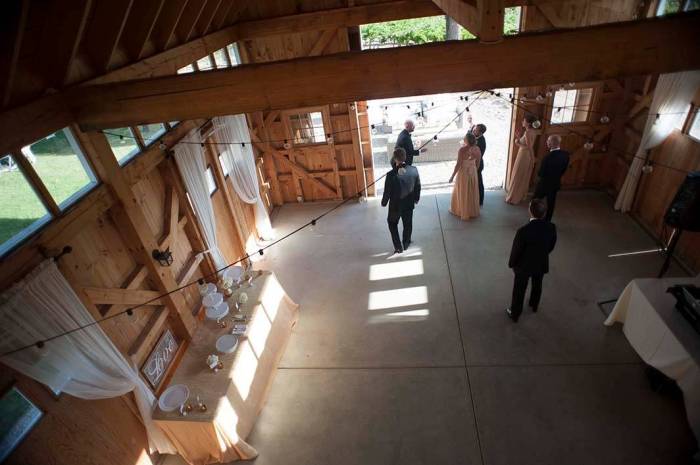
[190,160]
[671,102]
[85,363]
[243,170]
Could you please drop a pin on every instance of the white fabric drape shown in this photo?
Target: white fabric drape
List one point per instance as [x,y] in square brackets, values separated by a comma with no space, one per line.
[85,363]
[671,101]
[243,170]
[190,160]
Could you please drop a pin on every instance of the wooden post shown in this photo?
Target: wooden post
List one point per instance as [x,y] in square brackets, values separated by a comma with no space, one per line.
[129,214]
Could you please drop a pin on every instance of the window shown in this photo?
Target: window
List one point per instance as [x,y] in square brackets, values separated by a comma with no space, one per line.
[233,54]
[511,20]
[186,69]
[22,210]
[123,143]
[225,165]
[62,167]
[669,7]
[205,64]
[307,128]
[691,5]
[210,181]
[151,132]
[220,58]
[571,106]
[694,125]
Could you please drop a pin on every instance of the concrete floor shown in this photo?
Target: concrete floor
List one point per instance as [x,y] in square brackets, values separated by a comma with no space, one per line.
[410,359]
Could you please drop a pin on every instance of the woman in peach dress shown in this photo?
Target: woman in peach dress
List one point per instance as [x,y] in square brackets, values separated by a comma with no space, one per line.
[519,181]
[465,195]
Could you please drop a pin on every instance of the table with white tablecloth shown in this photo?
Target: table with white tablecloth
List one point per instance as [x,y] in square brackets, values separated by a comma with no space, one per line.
[235,395]
[662,337]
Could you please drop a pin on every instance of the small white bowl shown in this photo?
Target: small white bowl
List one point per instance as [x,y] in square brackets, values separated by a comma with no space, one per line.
[213,299]
[218,312]
[227,343]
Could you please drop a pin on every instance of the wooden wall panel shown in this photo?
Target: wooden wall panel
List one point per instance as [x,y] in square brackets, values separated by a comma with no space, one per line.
[75,431]
[658,188]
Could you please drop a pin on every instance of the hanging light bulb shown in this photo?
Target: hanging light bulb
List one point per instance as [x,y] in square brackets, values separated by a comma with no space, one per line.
[286,144]
[572,84]
[435,139]
[329,138]
[605,119]
[162,146]
[539,98]
[536,124]
[352,106]
[548,93]
[523,99]
[313,224]
[648,168]
[588,145]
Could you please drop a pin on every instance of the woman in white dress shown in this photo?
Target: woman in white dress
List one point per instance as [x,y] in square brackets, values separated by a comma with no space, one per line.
[519,181]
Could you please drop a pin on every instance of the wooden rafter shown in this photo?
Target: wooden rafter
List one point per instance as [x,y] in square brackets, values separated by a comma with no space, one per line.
[221,14]
[11,37]
[207,16]
[164,29]
[118,296]
[104,31]
[336,18]
[323,40]
[591,53]
[185,27]
[140,25]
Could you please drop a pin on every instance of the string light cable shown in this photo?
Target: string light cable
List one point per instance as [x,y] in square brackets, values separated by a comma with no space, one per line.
[40,344]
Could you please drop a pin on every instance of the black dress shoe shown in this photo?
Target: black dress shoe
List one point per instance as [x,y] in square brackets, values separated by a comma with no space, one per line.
[406,244]
[398,251]
[511,316]
[534,309]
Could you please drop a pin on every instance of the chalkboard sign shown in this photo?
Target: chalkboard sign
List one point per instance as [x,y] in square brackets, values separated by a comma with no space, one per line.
[18,415]
[160,358]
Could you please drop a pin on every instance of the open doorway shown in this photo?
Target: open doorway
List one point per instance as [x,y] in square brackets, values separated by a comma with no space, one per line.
[432,113]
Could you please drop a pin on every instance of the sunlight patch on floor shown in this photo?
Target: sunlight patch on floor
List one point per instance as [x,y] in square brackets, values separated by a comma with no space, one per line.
[403,297]
[392,270]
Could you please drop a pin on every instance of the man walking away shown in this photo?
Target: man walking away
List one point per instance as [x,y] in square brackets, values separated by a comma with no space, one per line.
[401,192]
[529,258]
[404,141]
[478,131]
[552,169]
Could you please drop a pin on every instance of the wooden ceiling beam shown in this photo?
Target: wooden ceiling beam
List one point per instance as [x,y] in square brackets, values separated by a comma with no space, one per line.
[105,29]
[336,18]
[140,25]
[221,15]
[484,20]
[164,29]
[585,54]
[185,27]
[12,26]
[207,16]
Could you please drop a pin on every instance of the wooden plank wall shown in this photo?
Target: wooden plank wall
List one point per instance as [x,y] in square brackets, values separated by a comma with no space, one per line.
[106,259]
[588,167]
[331,170]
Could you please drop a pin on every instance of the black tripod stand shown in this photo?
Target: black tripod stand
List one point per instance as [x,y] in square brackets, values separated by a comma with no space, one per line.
[675,236]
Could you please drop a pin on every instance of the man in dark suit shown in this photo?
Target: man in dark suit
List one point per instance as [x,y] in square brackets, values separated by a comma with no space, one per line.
[529,258]
[404,141]
[478,131]
[402,193]
[552,169]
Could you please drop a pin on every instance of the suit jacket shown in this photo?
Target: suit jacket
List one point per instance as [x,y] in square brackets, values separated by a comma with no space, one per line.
[481,143]
[401,191]
[531,247]
[405,142]
[552,169]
